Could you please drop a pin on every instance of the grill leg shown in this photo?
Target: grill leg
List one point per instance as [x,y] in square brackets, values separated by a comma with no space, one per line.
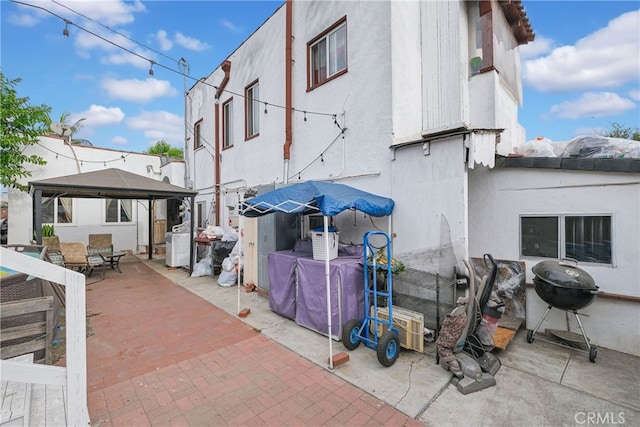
[586,340]
[542,320]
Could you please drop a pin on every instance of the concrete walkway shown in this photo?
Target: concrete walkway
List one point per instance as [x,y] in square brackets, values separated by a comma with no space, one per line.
[163,354]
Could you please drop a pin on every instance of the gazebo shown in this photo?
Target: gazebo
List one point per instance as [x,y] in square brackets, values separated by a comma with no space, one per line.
[107,184]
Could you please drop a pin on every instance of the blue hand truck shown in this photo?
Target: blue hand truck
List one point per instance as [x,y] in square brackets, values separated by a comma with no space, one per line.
[369,329]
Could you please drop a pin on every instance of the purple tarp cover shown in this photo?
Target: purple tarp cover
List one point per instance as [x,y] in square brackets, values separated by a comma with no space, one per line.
[307,304]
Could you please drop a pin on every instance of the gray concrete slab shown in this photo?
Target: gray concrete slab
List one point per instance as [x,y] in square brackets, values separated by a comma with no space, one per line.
[538,384]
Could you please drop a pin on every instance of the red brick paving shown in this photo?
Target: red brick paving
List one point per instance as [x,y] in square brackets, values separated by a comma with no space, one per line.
[162,356]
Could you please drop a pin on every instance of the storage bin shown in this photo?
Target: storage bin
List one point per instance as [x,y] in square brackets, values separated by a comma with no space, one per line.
[319,252]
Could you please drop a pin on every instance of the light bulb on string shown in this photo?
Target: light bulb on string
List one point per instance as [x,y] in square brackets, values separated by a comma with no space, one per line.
[151,68]
[305,116]
[65,32]
[265,108]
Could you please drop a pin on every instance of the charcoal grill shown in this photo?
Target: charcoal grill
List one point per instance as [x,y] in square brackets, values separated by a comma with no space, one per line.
[562,285]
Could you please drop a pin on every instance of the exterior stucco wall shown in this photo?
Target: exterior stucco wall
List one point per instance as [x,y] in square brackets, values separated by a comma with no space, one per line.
[430,192]
[88,214]
[497,199]
[407,74]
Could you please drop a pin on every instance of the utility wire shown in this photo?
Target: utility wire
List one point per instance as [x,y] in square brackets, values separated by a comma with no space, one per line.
[152,63]
[116,32]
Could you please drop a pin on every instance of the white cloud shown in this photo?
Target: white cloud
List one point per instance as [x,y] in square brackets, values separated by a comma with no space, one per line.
[138,90]
[23,19]
[539,46]
[635,95]
[119,140]
[165,43]
[592,104]
[110,13]
[97,116]
[190,43]
[607,58]
[231,26]
[158,125]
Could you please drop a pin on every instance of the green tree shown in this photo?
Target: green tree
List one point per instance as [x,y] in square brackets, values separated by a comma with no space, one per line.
[21,125]
[619,130]
[163,147]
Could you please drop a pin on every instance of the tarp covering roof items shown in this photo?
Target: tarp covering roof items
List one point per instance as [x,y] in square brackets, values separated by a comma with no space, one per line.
[327,198]
[108,183]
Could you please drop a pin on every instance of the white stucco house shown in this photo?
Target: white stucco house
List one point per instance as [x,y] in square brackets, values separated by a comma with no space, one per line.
[74,218]
[409,100]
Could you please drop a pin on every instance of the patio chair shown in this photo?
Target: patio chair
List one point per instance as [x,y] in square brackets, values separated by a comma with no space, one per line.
[54,254]
[76,256]
[100,244]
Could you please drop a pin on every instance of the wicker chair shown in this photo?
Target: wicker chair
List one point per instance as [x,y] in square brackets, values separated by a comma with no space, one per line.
[76,256]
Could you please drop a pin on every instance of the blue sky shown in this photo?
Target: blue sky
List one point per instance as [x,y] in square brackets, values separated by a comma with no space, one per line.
[579,76]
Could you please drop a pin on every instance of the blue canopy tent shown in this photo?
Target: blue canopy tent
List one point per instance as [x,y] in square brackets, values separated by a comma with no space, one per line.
[317,197]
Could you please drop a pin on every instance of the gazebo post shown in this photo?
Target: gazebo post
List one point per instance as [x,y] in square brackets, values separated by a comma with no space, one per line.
[150,221]
[37,216]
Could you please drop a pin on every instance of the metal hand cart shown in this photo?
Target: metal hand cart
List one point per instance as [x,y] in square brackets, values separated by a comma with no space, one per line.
[376,333]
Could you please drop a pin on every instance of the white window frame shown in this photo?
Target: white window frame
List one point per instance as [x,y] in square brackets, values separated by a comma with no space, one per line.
[55,212]
[562,243]
[119,221]
[227,124]
[252,108]
[324,49]
[201,214]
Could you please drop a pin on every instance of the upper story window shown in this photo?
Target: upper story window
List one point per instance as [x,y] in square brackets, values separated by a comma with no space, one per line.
[583,238]
[197,136]
[227,124]
[57,210]
[327,54]
[119,211]
[252,96]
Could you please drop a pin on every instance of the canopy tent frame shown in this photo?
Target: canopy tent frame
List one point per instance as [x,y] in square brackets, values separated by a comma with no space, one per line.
[109,184]
[316,197]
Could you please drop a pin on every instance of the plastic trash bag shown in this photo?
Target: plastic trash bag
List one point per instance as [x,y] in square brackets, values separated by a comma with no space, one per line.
[202,268]
[228,278]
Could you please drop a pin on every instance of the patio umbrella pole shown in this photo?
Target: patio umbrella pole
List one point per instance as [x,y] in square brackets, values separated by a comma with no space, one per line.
[328,285]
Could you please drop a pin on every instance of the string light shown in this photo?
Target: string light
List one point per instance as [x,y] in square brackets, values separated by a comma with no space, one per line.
[265,108]
[151,72]
[65,32]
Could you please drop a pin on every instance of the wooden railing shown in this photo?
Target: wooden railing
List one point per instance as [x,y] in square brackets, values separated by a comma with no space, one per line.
[74,375]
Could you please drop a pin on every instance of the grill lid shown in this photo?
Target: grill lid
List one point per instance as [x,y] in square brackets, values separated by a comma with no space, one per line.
[564,273]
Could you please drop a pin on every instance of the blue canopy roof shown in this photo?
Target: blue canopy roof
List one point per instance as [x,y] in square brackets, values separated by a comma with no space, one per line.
[315,196]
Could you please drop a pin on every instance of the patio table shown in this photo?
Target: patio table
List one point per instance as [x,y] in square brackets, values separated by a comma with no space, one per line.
[113,258]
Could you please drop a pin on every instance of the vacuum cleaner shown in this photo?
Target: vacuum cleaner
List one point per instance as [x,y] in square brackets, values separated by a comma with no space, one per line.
[466,335]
